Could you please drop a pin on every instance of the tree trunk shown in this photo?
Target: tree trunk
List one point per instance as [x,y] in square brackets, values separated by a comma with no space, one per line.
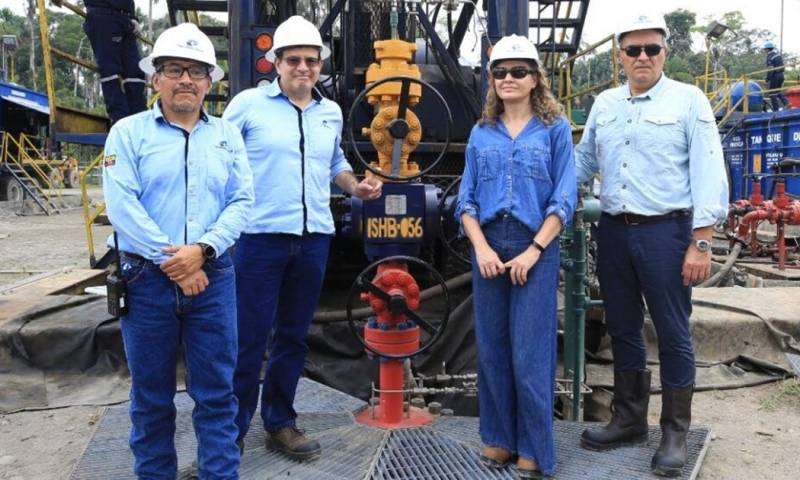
[33,26]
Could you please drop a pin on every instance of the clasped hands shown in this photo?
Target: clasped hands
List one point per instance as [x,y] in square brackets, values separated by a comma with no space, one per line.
[518,267]
[184,267]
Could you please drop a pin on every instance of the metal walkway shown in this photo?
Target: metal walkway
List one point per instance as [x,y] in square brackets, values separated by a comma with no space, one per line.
[445,450]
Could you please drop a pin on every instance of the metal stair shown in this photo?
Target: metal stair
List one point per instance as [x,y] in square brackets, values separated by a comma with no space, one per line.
[16,160]
[556,27]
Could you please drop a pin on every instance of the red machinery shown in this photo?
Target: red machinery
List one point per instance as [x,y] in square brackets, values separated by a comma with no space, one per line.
[745,215]
[394,333]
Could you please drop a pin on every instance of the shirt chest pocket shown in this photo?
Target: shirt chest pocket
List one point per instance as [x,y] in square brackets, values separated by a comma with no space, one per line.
[605,128]
[532,161]
[490,164]
[662,131]
[218,162]
[323,140]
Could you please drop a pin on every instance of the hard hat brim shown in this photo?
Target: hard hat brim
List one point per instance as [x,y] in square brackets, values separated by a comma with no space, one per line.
[146,65]
[324,52]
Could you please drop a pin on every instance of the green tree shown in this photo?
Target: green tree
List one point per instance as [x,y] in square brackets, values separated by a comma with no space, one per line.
[680,23]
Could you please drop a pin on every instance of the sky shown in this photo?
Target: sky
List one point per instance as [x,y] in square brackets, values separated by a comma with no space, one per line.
[603,15]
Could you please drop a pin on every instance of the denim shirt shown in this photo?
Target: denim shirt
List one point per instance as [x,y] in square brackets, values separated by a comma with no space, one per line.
[656,152]
[529,177]
[165,186]
[294,155]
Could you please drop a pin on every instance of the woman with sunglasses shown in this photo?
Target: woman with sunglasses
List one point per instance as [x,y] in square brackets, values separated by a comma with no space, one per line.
[517,193]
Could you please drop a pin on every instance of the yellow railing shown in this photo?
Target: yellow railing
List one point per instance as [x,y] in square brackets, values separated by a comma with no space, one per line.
[565,93]
[16,152]
[90,215]
[720,96]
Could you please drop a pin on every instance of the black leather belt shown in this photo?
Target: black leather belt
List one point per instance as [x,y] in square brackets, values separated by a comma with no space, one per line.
[133,256]
[636,219]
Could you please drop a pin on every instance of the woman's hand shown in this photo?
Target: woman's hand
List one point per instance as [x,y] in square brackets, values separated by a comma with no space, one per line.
[521,264]
[489,263]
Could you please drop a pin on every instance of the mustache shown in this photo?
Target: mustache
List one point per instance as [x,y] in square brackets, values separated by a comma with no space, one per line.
[185,89]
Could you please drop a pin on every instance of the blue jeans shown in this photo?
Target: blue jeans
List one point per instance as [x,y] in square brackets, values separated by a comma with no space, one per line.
[636,261]
[279,279]
[515,329]
[160,319]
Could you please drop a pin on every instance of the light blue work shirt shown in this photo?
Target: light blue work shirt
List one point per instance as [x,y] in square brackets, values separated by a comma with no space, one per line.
[294,154]
[656,152]
[529,177]
[165,186]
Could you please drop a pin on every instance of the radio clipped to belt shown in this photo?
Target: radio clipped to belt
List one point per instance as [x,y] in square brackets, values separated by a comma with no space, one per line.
[116,287]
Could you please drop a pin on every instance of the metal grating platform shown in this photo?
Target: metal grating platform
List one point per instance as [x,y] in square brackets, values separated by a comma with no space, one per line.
[447,449]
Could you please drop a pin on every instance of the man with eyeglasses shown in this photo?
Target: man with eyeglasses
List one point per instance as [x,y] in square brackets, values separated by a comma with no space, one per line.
[178,191]
[655,143]
[293,138]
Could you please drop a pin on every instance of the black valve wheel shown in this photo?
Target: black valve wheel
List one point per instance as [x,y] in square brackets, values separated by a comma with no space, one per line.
[431,332]
[457,246]
[399,127]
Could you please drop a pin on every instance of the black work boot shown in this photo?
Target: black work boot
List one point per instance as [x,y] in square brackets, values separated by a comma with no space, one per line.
[628,425]
[676,415]
[293,442]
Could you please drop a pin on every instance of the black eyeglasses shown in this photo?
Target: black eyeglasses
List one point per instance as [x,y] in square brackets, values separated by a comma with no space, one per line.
[174,71]
[499,73]
[311,62]
[651,50]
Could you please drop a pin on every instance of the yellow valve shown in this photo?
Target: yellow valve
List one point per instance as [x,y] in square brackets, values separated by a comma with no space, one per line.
[393,59]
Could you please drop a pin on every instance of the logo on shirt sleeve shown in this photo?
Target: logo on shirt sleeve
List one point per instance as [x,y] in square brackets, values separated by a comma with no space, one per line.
[109,161]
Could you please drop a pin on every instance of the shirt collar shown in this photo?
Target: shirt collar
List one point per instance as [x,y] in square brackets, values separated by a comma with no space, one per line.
[274,89]
[158,114]
[654,91]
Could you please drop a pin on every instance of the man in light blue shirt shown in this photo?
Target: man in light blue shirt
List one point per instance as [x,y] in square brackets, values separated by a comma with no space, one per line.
[178,190]
[655,143]
[292,136]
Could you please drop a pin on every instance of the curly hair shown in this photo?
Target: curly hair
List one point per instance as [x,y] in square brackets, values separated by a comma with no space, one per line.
[544,105]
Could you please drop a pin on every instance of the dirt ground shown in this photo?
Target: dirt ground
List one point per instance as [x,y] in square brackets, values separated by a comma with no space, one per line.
[756,431]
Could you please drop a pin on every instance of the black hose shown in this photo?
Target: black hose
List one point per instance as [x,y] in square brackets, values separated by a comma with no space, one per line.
[726,267]
[341,315]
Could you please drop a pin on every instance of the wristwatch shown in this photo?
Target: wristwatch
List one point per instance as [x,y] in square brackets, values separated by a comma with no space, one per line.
[702,245]
[208,251]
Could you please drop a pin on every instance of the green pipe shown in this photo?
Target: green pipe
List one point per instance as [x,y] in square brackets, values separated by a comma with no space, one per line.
[576,297]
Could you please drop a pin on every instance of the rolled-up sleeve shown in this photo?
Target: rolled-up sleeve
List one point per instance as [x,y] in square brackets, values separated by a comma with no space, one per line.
[122,190]
[707,176]
[562,201]
[466,202]
[239,198]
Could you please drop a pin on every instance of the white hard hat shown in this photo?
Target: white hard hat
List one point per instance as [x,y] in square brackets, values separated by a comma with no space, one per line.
[642,21]
[513,47]
[296,31]
[183,41]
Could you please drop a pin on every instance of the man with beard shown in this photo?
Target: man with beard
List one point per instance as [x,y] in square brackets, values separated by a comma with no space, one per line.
[178,190]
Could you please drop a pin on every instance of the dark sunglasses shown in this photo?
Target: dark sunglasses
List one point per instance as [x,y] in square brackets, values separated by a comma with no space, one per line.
[174,71]
[499,73]
[296,61]
[651,50]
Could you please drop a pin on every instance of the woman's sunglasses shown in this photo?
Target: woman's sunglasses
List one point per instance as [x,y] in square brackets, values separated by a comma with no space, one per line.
[499,73]
[651,50]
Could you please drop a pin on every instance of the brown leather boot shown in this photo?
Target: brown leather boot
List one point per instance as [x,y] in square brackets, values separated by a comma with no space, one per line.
[293,442]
